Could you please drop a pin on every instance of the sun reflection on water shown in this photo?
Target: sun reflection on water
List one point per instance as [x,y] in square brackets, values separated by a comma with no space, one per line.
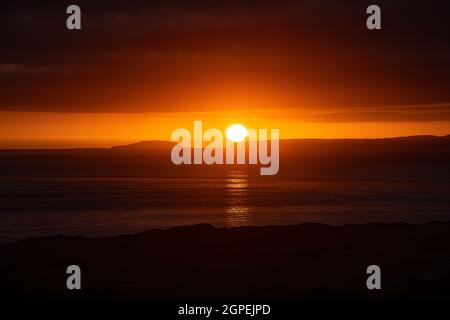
[237,209]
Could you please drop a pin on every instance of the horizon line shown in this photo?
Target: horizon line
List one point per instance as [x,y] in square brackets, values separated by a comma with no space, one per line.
[172,142]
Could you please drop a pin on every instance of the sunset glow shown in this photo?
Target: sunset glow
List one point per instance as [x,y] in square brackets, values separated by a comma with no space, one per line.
[268,66]
[236,132]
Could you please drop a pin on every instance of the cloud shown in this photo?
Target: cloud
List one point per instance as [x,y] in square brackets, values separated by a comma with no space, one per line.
[12,69]
[153,56]
[420,113]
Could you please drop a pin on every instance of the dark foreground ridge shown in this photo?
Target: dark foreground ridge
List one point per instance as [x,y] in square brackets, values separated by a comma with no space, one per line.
[308,261]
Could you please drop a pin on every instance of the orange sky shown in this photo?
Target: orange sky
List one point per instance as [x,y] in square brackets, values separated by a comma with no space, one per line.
[58,130]
[138,70]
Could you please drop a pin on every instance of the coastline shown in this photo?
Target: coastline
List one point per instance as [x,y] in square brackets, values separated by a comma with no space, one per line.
[306,261]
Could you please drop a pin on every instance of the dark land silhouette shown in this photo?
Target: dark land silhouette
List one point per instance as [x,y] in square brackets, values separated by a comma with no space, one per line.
[410,158]
[308,261]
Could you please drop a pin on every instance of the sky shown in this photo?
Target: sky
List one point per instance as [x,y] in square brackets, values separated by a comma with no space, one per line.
[137,70]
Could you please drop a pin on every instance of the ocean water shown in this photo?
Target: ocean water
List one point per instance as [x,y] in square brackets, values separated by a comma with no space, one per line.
[109,206]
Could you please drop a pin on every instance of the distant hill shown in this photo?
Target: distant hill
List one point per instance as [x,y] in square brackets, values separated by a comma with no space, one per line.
[160,145]
[404,158]
[145,145]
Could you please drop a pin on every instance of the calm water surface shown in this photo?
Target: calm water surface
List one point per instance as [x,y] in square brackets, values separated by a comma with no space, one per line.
[108,206]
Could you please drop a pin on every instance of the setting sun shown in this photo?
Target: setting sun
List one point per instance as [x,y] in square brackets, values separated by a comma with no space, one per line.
[236,132]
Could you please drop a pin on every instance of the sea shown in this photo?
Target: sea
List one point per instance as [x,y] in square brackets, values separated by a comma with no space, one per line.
[101,206]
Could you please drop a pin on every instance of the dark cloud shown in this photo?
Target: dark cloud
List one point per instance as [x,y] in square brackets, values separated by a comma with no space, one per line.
[414,113]
[133,56]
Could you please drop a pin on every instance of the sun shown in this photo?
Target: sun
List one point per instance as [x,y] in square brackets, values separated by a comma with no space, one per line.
[236,132]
